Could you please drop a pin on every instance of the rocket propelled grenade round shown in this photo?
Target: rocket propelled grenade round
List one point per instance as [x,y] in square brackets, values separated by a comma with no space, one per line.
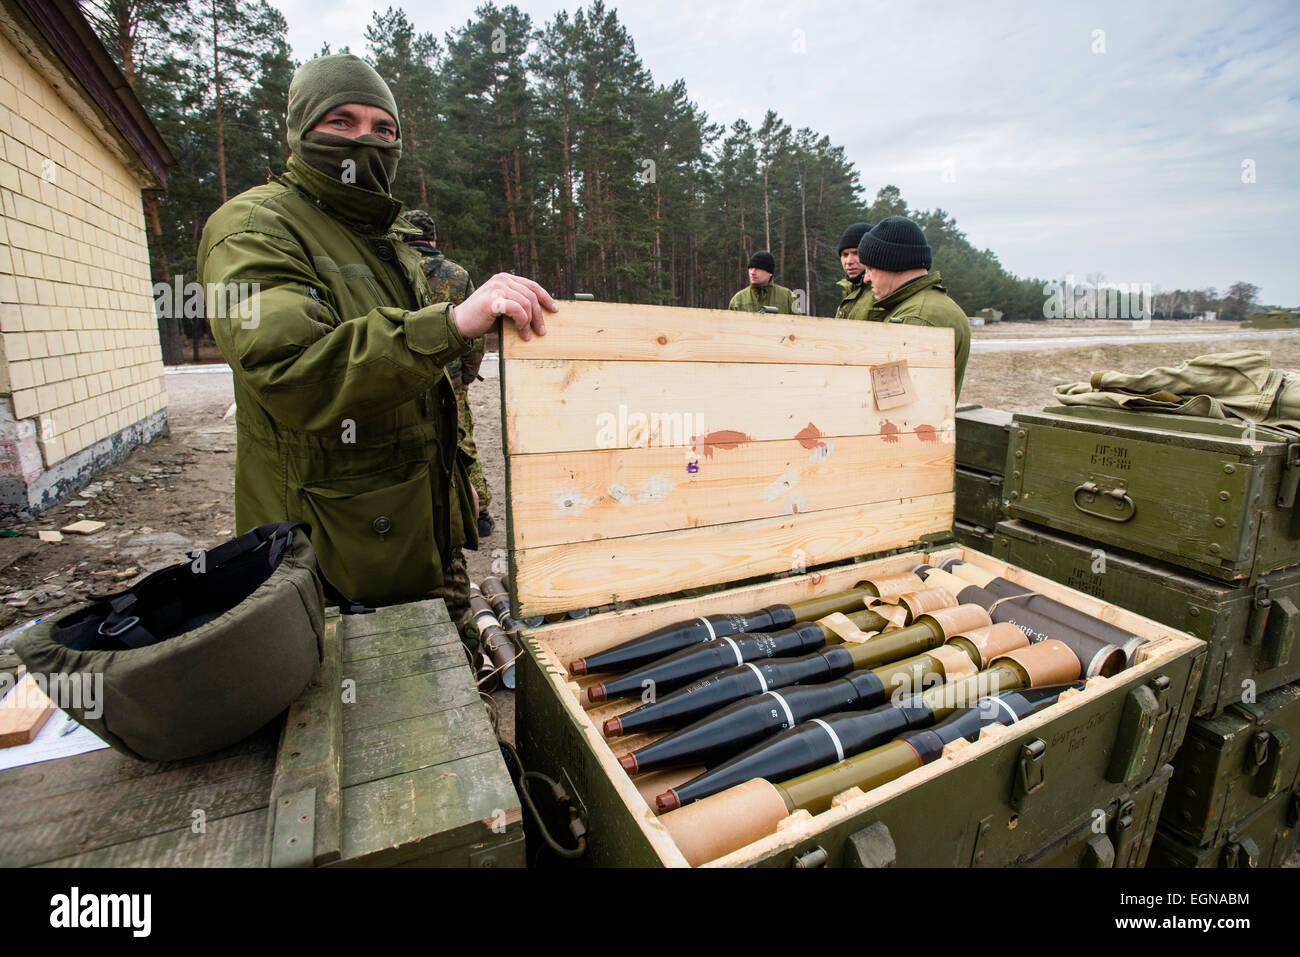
[1097,656]
[1110,641]
[814,790]
[668,674]
[679,708]
[804,747]
[716,825]
[725,733]
[683,634]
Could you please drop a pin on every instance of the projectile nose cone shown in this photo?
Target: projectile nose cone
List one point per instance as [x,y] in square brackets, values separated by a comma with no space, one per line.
[578,666]
[613,727]
[629,763]
[596,693]
[667,802]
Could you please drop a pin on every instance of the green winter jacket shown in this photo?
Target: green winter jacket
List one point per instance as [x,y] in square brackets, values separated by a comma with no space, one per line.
[753,298]
[346,419]
[857,300]
[925,302]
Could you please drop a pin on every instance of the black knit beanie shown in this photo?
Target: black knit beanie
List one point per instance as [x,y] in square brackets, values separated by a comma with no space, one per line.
[895,245]
[763,260]
[852,236]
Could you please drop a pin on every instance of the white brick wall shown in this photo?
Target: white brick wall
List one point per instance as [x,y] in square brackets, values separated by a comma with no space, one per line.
[78,338]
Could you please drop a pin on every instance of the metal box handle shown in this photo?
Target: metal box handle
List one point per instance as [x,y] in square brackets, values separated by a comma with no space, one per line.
[1121,508]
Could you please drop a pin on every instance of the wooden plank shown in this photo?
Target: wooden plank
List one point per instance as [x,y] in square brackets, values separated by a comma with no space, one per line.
[571,406]
[23,713]
[559,577]
[400,698]
[85,821]
[310,746]
[417,815]
[607,330]
[372,670]
[422,741]
[416,614]
[588,496]
[391,643]
[234,841]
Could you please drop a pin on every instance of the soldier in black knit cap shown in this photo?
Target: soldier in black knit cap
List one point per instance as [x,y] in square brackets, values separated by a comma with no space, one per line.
[898,259]
[761,291]
[856,285]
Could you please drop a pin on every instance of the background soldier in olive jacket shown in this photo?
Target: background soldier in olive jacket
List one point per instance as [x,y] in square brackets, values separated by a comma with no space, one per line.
[346,419]
[761,291]
[856,285]
[450,282]
[898,261]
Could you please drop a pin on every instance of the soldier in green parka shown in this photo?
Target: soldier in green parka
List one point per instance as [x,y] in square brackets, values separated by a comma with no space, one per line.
[346,418]
[898,261]
[856,285]
[761,291]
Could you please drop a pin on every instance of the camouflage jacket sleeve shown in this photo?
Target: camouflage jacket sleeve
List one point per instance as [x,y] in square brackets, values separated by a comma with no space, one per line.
[308,368]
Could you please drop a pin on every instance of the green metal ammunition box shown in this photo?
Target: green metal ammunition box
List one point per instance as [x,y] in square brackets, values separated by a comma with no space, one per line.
[979,498]
[973,536]
[982,439]
[1251,631]
[1263,839]
[1231,765]
[1205,494]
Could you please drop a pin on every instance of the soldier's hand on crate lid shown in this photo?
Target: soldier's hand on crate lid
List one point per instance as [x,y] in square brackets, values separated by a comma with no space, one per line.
[514,298]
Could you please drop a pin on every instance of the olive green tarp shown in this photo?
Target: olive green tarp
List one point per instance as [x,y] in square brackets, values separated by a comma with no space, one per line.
[1226,385]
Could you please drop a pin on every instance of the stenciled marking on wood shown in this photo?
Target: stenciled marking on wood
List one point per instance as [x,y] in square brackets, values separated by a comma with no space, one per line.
[927,433]
[722,439]
[888,431]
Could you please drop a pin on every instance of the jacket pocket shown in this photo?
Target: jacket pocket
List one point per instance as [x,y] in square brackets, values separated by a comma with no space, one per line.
[376,546]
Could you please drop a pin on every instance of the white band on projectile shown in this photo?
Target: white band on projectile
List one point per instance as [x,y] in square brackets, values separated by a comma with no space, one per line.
[1007,708]
[789,715]
[762,682]
[709,625]
[740,659]
[835,738]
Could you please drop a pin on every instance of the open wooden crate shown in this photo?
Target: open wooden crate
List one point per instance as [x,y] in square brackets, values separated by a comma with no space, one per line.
[795,467]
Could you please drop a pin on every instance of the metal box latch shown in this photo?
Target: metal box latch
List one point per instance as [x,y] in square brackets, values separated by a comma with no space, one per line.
[1030,772]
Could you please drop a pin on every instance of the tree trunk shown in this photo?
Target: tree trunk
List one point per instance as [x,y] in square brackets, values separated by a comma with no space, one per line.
[221,127]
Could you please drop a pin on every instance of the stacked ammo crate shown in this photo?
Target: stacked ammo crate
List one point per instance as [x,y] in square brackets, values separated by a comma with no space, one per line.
[1193,523]
[981,454]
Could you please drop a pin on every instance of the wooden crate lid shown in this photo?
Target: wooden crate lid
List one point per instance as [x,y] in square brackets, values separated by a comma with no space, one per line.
[651,449]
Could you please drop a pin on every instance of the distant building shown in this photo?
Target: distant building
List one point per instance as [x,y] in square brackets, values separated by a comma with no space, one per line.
[81,374]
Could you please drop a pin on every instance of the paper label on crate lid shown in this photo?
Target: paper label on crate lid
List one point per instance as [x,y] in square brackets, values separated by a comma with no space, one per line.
[892,385]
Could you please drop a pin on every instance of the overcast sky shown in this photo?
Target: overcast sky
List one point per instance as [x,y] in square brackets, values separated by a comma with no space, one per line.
[1148,142]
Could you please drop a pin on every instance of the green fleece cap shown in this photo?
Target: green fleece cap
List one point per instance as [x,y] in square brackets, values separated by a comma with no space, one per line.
[329,81]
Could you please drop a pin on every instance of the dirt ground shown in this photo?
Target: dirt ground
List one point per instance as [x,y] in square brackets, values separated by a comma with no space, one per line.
[177,494]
